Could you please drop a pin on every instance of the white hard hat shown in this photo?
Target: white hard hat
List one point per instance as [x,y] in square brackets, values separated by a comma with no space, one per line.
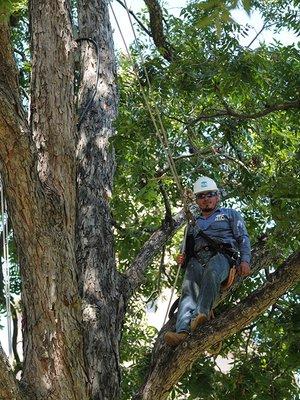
[204,184]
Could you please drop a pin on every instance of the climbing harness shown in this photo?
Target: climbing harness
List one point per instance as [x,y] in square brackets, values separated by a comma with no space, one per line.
[6,272]
[230,253]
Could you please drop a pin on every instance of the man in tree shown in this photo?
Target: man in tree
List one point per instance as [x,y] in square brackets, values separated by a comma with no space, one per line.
[216,242]
[58,173]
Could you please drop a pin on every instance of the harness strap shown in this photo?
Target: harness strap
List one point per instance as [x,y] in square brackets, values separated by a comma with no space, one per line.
[219,247]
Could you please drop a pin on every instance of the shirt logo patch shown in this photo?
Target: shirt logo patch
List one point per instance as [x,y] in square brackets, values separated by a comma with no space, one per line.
[220,217]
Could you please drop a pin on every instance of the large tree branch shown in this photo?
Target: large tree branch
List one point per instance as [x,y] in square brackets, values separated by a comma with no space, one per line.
[14,134]
[17,152]
[206,153]
[52,98]
[43,224]
[161,379]
[135,274]
[229,112]
[9,386]
[157,30]
[43,216]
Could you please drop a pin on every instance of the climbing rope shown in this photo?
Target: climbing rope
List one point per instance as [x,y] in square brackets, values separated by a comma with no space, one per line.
[177,275]
[172,294]
[6,272]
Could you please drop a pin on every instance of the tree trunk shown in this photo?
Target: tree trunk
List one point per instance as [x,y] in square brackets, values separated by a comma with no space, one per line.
[53,348]
[39,178]
[103,306]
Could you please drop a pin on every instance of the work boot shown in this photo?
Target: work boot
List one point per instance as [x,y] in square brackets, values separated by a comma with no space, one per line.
[175,338]
[198,320]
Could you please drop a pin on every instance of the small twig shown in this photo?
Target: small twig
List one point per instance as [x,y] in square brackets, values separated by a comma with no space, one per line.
[161,268]
[206,151]
[278,307]
[218,91]
[18,363]
[162,172]
[25,94]
[256,36]
[216,364]
[174,118]
[267,273]
[22,54]
[236,161]
[167,276]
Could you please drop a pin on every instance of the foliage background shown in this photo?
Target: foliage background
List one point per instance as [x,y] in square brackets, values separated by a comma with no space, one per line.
[256,161]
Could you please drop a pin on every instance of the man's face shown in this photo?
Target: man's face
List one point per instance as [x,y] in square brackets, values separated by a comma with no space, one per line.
[207,201]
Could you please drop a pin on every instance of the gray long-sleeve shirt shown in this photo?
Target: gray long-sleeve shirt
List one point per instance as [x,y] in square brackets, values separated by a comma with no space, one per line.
[225,225]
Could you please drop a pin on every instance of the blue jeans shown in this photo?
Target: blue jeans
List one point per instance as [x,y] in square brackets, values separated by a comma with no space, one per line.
[201,286]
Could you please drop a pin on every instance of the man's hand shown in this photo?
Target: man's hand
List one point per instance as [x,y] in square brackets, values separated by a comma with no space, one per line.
[180,259]
[243,269]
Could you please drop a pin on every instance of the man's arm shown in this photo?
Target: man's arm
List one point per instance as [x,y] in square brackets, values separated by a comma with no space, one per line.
[243,241]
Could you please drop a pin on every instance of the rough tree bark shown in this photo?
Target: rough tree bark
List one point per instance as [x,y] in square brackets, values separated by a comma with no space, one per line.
[103,305]
[58,181]
[157,29]
[38,169]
